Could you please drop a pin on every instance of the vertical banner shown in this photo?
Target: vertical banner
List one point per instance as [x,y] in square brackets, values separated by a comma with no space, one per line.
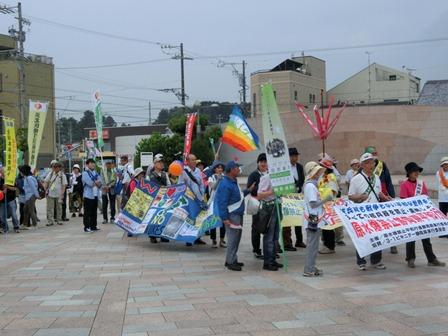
[36,123]
[98,118]
[275,144]
[10,151]
[191,118]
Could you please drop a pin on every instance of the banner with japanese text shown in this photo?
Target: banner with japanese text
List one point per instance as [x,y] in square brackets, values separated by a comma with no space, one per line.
[10,151]
[36,123]
[98,118]
[189,126]
[377,226]
[170,212]
[275,145]
[292,210]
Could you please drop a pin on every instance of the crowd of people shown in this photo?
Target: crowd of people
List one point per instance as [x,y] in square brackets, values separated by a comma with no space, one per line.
[107,189]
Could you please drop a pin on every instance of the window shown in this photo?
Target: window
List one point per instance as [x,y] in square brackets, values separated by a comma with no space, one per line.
[311,98]
[275,94]
[254,104]
[392,77]
[295,96]
[1,82]
[314,98]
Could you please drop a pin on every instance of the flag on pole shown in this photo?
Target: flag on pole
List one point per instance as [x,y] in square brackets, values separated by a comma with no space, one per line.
[98,118]
[36,123]
[191,118]
[239,134]
[10,152]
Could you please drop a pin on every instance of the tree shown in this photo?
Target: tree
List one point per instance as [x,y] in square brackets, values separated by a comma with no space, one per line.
[158,143]
[109,121]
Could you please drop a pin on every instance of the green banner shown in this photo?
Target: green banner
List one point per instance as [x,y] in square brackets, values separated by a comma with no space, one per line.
[36,123]
[275,144]
[98,118]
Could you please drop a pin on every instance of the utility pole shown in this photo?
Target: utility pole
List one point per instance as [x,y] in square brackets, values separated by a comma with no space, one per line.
[240,75]
[19,36]
[182,95]
[149,109]
[244,83]
[369,90]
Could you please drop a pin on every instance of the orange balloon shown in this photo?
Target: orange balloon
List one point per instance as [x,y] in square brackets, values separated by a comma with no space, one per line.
[2,195]
[175,168]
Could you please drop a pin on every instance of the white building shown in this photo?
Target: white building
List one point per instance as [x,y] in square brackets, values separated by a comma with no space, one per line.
[377,84]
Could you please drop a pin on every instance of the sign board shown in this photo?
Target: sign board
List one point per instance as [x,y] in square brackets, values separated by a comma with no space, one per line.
[93,134]
[146,159]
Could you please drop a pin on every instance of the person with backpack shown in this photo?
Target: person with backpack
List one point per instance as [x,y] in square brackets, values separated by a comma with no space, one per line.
[55,184]
[213,183]
[31,190]
[91,181]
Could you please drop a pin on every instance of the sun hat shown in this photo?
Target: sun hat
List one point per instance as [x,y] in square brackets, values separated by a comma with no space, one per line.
[326,163]
[444,160]
[312,168]
[412,167]
[138,171]
[158,158]
[76,166]
[366,157]
[354,161]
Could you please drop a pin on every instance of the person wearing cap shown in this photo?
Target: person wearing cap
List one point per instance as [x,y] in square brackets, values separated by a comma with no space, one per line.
[254,179]
[354,168]
[92,182]
[230,202]
[76,191]
[108,181]
[328,189]
[410,188]
[365,187]
[442,187]
[55,184]
[157,174]
[313,214]
[299,179]
[213,182]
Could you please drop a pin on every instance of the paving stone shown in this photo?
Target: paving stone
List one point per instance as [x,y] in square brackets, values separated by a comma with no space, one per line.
[63,332]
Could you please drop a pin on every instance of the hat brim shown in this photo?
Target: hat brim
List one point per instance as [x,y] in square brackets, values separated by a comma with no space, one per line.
[314,171]
[443,163]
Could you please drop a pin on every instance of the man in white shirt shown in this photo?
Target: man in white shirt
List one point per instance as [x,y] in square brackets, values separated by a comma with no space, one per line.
[365,187]
[55,184]
[354,168]
[442,186]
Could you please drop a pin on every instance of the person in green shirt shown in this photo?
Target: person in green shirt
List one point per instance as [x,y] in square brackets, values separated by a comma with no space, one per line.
[109,179]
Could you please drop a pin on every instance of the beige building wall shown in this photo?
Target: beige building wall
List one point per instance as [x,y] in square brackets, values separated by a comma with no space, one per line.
[386,84]
[401,133]
[39,83]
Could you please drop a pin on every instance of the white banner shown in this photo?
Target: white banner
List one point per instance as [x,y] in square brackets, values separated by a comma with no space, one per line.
[377,226]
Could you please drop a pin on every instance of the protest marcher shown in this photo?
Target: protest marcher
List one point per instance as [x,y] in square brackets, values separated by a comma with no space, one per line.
[21,198]
[55,184]
[254,178]
[137,178]
[410,188]
[213,183]
[299,178]
[230,201]
[354,168]
[387,187]
[76,191]
[266,195]
[91,182]
[108,181]
[158,175]
[201,166]
[11,206]
[328,189]
[442,187]
[365,187]
[192,177]
[64,197]
[30,187]
[313,214]
[124,174]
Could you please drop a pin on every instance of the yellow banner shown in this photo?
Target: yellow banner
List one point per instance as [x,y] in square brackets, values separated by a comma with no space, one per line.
[292,210]
[10,152]
[36,123]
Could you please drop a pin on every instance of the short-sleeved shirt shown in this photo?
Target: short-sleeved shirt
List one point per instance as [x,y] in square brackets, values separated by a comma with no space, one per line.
[359,185]
[266,185]
[349,175]
[311,194]
[407,189]
[55,182]
[443,191]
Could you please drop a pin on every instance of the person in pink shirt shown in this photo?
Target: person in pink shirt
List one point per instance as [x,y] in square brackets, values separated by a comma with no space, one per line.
[410,188]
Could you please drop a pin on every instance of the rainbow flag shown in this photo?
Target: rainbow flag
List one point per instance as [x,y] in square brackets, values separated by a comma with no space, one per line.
[238,133]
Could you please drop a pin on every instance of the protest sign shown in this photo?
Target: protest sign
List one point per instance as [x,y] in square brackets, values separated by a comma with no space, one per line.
[10,151]
[331,218]
[292,210]
[36,123]
[377,226]
[170,212]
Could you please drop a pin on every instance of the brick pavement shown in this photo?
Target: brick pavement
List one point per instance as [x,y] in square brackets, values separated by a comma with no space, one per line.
[60,281]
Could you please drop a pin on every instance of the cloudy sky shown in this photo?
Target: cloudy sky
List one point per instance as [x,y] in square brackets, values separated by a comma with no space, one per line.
[261,32]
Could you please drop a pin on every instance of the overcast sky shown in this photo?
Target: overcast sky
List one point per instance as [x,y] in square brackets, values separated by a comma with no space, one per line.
[219,28]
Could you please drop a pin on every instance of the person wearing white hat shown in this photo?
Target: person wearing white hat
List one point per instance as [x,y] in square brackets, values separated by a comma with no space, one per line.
[442,186]
[365,187]
[354,168]
[313,214]
[55,184]
[76,191]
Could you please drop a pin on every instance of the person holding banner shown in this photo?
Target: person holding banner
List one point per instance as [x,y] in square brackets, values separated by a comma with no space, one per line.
[91,181]
[230,201]
[313,214]
[76,191]
[213,183]
[410,188]
[124,175]
[365,187]
[442,184]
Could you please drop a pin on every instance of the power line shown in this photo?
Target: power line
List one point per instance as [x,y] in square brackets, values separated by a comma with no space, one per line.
[114,65]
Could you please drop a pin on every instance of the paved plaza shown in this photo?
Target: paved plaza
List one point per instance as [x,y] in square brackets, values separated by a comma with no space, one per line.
[61,281]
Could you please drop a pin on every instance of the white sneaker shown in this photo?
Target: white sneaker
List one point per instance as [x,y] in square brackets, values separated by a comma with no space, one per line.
[380,266]
[326,250]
